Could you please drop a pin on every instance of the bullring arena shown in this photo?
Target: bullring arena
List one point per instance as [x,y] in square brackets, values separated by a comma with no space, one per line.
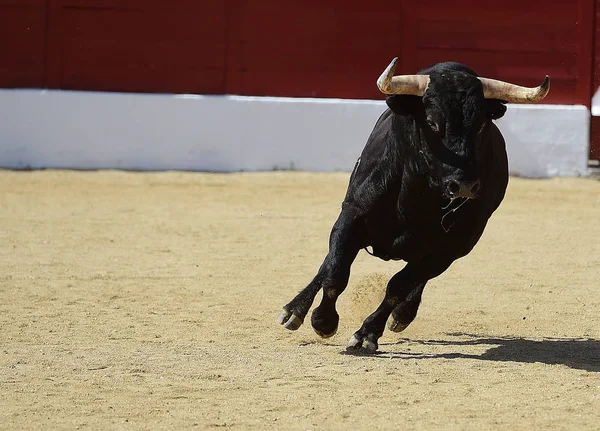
[149,301]
[170,173]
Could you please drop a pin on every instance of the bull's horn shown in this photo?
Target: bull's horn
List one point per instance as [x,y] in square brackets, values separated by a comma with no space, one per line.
[415,85]
[511,93]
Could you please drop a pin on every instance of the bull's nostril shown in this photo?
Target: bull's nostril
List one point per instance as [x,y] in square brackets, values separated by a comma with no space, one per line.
[454,187]
[475,188]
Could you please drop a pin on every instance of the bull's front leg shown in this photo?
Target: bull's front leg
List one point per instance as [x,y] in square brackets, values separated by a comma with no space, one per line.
[347,237]
[405,312]
[399,289]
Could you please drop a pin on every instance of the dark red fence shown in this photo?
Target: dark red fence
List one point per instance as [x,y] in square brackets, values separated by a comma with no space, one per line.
[23,33]
[595,122]
[310,48]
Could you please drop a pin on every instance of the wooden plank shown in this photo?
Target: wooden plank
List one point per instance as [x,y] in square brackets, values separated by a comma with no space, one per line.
[143,25]
[139,67]
[54,40]
[407,56]
[596,48]
[513,13]
[22,47]
[595,138]
[155,5]
[234,49]
[151,47]
[595,121]
[525,67]
[498,36]
[586,51]
[340,53]
[23,3]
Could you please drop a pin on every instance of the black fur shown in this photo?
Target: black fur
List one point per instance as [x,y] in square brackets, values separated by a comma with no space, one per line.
[397,199]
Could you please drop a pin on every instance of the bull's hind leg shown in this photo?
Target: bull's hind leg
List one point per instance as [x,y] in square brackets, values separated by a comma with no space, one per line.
[400,286]
[347,237]
[406,311]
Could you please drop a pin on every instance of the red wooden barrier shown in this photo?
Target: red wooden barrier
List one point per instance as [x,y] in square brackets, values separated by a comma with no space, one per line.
[22,43]
[295,48]
[137,45]
[595,122]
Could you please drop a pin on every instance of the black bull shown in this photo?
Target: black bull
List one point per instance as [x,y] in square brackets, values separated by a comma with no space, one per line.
[431,174]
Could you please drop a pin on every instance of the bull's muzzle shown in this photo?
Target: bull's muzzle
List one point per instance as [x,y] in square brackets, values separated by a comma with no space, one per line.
[456,189]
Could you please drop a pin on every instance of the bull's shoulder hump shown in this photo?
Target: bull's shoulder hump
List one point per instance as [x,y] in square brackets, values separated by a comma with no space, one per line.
[385,117]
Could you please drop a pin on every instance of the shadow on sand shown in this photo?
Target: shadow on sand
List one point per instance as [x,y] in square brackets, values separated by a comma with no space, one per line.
[577,353]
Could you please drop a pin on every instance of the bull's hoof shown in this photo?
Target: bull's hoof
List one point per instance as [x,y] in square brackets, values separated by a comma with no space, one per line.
[289,320]
[324,324]
[325,334]
[395,326]
[358,344]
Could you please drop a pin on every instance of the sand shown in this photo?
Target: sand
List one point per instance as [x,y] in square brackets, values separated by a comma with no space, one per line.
[149,301]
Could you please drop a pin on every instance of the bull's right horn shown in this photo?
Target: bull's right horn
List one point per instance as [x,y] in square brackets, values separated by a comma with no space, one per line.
[512,93]
[415,85]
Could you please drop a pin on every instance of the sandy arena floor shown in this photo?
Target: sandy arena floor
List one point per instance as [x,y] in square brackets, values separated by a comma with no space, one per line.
[149,301]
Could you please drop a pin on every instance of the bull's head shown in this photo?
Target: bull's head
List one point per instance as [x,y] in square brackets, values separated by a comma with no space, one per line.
[453,109]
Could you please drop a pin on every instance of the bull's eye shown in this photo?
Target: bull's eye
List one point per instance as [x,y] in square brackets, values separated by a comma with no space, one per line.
[433,125]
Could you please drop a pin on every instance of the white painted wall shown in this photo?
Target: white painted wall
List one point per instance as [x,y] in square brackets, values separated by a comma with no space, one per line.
[83,130]
[547,140]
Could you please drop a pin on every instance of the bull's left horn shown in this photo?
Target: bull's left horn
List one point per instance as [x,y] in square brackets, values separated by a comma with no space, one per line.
[415,85]
[511,93]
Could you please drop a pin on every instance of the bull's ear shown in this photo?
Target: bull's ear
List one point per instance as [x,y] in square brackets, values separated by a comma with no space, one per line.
[402,104]
[495,108]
